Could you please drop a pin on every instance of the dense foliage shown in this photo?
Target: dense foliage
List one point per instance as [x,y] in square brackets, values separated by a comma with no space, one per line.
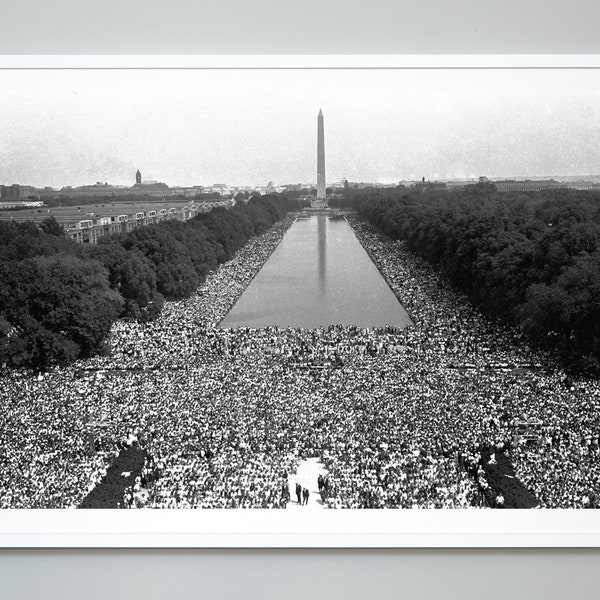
[58,299]
[531,259]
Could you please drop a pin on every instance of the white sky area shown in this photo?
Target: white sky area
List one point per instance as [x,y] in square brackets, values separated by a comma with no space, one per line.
[246,127]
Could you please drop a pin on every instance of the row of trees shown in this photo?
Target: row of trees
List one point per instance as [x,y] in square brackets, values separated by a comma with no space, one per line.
[58,299]
[531,259]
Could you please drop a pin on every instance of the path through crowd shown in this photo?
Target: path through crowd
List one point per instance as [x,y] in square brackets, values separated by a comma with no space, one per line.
[307,476]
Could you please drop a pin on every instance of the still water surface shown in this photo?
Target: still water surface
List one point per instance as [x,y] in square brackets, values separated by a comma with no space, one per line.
[318,275]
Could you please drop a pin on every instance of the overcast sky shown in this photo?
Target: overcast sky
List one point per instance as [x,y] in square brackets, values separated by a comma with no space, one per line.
[187,127]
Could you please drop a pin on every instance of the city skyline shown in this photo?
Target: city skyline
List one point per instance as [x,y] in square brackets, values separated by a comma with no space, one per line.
[249,127]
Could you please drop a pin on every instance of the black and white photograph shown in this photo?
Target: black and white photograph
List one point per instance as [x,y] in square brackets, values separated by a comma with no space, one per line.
[300,289]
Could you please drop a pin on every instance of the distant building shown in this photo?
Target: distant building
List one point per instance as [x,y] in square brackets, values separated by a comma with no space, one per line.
[219,188]
[457,184]
[527,185]
[582,185]
[17,203]
[185,191]
[149,185]
[87,224]
[155,189]
[429,186]
[16,191]
[293,187]
[271,189]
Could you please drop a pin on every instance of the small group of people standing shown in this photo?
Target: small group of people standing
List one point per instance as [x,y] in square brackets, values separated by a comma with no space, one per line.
[323,483]
[302,494]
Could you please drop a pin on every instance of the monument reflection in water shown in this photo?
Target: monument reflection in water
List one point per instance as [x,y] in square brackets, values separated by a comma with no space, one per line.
[319,275]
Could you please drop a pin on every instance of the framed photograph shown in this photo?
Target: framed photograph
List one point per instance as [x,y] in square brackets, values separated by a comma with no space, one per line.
[310,301]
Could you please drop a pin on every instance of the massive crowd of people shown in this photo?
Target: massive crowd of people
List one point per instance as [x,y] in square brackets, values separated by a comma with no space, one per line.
[399,417]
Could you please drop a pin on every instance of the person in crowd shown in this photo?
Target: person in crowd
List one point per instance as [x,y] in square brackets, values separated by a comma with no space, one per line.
[305,496]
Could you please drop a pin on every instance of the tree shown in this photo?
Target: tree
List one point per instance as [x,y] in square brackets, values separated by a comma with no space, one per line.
[132,275]
[530,259]
[175,274]
[52,227]
[58,299]
[55,309]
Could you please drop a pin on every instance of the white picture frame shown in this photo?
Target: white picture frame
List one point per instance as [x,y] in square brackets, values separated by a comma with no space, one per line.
[344,528]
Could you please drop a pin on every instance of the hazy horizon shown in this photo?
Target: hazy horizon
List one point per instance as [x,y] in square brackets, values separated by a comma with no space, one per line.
[249,127]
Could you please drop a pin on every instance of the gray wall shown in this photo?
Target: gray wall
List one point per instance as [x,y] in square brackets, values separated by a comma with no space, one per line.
[300,27]
[298,574]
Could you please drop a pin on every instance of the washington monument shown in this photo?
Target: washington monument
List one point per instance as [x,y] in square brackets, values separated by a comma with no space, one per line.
[321,189]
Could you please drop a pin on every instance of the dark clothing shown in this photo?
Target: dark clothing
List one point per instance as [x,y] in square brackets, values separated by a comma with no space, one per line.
[305,495]
[299,493]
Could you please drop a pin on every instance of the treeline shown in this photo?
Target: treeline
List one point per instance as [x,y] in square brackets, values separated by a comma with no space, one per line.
[58,299]
[530,259]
